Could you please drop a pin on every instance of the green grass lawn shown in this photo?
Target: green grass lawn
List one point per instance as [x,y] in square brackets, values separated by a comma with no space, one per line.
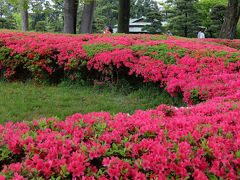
[26,102]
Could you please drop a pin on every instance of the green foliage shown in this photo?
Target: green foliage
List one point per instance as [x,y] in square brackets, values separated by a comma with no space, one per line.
[92,49]
[196,97]
[168,10]
[17,18]
[204,7]
[141,8]
[217,17]
[233,57]
[5,56]
[6,23]
[210,3]
[99,24]
[184,19]
[21,4]
[40,26]
[7,11]
[160,51]
[8,157]
[155,18]
[38,7]
[238,31]
[54,16]
[5,154]
[41,10]
[106,13]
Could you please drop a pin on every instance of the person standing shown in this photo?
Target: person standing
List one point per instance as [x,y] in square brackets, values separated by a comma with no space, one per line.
[108,30]
[201,34]
[169,33]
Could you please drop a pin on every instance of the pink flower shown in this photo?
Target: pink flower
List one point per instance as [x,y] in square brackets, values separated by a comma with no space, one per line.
[16,167]
[5,169]
[18,177]
[106,162]
[2,177]
[204,135]
[139,176]
[199,175]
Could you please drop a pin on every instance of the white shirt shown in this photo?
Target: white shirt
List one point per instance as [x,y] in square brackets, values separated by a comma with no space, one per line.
[201,35]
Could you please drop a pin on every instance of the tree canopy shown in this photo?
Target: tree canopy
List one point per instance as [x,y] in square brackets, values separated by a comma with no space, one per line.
[183,17]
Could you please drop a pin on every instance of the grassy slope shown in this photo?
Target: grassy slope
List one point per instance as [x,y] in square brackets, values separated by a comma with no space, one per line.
[19,102]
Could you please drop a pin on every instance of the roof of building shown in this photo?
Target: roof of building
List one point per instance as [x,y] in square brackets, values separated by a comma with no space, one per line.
[137,22]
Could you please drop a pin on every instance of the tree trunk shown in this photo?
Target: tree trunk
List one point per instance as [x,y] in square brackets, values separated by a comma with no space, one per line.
[185,31]
[228,30]
[87,17]
[123,16]
[70,16]
[211,34]
[24,16]
[186,27]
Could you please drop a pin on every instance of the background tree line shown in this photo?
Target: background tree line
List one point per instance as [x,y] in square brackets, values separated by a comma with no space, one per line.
[183,17]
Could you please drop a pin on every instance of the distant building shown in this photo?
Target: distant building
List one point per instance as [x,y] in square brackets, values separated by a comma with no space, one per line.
[135,25]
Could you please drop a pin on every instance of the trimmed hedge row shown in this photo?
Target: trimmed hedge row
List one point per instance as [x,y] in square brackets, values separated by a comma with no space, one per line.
[53,57]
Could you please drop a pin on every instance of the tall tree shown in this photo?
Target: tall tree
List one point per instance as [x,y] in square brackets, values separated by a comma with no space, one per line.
[38,12]
[155,18]
[106,13]
[54,16]
[205,8]
[123,16]
[87,17]
[185,19]
[229,26]
[22,5]
[7,11]
[24,15]
[141,8]
[217,18]
[70,16]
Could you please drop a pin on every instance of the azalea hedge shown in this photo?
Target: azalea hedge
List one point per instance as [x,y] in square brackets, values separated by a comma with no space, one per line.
[196,142]
[196,69]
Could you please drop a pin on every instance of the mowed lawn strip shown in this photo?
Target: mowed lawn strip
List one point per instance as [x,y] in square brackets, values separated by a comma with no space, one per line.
[26,102]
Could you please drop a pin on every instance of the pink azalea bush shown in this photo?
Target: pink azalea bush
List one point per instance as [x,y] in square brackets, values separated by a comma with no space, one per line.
[197,142]
[196,69]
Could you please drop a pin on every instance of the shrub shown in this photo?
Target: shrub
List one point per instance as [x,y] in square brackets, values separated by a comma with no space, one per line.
[196,142]
[40,26]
